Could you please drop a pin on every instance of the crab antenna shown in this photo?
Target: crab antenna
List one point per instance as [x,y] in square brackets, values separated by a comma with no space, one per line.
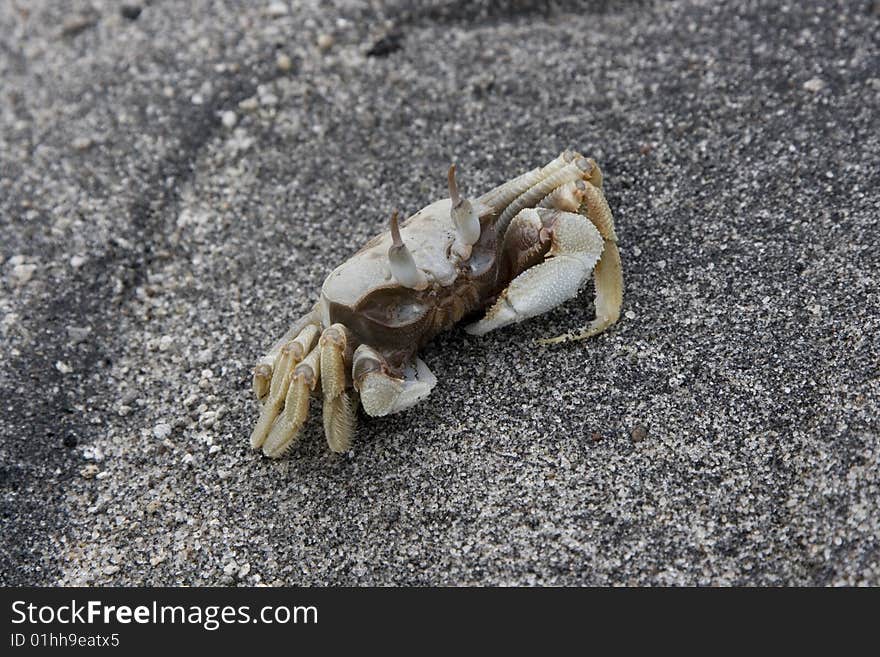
[403,267]
[467,223]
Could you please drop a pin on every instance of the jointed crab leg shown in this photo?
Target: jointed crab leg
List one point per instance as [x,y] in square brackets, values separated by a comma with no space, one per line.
[288,357]
[265,367]
[339,418]
[296,406]
[505,194]
[567,197]
[529,198]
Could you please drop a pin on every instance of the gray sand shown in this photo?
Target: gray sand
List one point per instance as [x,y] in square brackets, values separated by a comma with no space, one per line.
[174,188]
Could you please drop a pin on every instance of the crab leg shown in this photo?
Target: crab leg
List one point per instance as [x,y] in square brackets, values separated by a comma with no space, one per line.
[381,392]
[339,418]
[503,195]
[575,248]
[296,406]
[577,170]
[595,208]
[288,357]
[265,367]
[567,197]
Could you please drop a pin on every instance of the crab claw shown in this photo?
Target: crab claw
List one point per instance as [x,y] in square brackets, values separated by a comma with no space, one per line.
[467,223]
[403,267]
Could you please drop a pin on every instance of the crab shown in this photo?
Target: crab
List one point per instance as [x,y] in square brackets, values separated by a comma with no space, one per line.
[518,251]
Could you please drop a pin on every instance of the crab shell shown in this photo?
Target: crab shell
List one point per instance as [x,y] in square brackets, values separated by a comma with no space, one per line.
[363,295]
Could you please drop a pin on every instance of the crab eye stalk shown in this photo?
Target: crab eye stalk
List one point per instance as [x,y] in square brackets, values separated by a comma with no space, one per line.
[403,267]
[467,223]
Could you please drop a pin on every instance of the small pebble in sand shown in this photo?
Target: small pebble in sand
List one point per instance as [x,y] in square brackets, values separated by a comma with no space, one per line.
[22,273]
[89,471]
[325,41]
[82,143]
[161,431]
[814,85]
[229,119]
[283,62]
[639,433]
[249,104]
[276,9]
[131,11]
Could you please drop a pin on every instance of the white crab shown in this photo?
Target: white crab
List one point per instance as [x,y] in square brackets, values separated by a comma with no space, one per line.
[524,247]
